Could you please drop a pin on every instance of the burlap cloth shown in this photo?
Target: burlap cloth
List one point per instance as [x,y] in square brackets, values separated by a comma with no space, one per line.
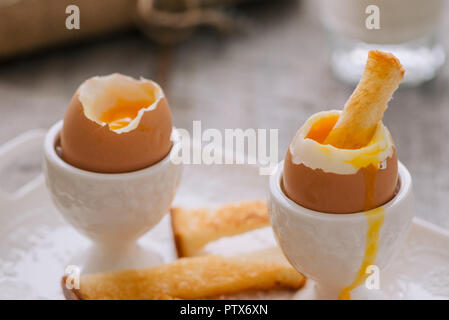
[27,25]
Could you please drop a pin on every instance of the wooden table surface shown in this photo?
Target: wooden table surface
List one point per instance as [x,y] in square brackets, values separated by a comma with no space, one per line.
[274,75]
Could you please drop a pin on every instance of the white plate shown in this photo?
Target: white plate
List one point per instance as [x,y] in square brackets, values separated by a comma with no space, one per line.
[36,244]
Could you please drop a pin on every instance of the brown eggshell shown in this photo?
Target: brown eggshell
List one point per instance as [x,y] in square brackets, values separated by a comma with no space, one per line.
[337,193]
[92,147]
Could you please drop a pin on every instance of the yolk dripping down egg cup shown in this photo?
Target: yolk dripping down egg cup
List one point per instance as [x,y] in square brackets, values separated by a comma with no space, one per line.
[111,209]
[338,225]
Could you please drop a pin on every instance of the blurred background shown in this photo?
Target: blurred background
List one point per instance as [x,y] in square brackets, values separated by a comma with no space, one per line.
[233,64]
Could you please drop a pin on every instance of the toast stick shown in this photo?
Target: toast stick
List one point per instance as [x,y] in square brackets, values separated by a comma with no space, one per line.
[364,109]
[191,278]
[193,229]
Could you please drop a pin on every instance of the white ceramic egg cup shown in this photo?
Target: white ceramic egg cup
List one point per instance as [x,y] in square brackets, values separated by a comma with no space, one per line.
[113,210]
[329,248]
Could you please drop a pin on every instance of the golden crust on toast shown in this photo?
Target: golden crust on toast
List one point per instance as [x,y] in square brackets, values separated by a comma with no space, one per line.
[191,278]
[193,229]
[364,109]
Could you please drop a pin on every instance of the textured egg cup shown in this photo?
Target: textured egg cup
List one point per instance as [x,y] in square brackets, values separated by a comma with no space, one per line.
[329,248]
[113,210]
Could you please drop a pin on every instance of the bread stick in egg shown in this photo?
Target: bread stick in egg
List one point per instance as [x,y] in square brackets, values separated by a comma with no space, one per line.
[364,110]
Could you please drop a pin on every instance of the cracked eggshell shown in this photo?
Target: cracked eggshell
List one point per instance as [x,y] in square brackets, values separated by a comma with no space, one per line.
[91,145]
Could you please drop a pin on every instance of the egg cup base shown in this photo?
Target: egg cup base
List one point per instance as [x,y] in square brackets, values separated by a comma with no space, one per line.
[329,248]
[112,210]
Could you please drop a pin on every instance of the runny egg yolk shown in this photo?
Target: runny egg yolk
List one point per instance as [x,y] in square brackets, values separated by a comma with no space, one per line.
[375,219]
[321,128]
[369,163]
[123,112]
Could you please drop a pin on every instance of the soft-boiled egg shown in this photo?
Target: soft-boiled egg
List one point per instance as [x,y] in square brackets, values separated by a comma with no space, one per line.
[116,124]
[327,179]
